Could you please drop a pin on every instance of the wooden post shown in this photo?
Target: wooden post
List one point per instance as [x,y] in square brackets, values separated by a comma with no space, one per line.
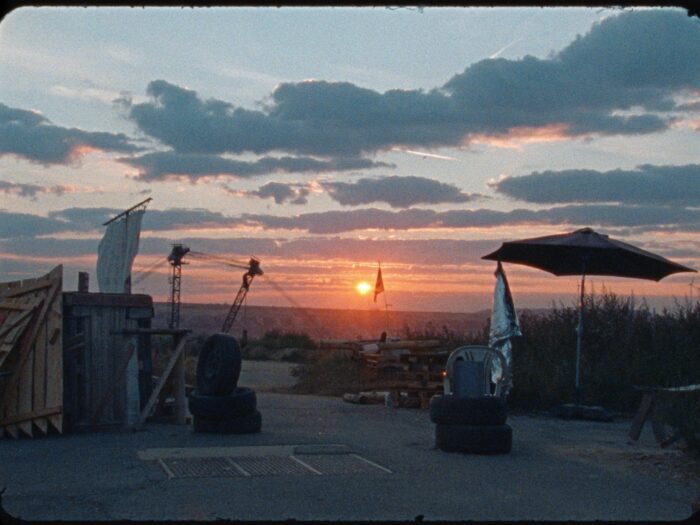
[179,384]
[109,394]
[179,349]
[641,416]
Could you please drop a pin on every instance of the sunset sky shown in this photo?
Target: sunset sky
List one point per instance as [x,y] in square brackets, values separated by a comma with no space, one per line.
[322,140]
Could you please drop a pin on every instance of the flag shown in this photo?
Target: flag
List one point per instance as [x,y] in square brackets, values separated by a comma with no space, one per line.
[116,253]
[379,285]
[504,326]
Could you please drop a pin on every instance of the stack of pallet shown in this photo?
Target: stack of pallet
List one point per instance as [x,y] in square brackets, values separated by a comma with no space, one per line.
[412,369]
[31,355]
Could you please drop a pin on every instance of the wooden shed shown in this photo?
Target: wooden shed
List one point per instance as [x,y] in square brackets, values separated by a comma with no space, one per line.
[74,361]
[107,372]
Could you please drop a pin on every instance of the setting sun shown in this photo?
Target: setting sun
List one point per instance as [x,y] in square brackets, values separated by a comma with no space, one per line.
[363,288]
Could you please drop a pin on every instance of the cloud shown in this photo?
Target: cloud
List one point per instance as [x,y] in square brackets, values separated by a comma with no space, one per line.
[628,218]
[398,192]
[194,166]
[31,191]
[646,184]
[280,192]
[642,218]
[618,79]
[157,220]
[415,251]
[31,136]
[14,225]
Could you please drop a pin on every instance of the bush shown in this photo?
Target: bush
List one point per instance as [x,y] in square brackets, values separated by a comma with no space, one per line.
[332,373]
[290,347]
[624,344]
[277,340]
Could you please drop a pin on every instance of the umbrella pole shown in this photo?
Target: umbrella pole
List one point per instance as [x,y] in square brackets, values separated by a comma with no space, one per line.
[579,334]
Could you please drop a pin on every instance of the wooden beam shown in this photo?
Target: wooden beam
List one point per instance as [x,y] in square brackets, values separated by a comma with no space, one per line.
[21,290]
[109,394]
[179,385]
[44,412]
[11,305]
[179,349]
[152,331]
[9,325]
[126,212]
[641,416]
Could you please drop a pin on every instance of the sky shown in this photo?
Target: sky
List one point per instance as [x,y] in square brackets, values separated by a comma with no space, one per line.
[324,140]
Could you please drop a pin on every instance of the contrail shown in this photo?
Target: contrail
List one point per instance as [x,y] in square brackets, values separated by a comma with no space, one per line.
[497,53]
[425,154]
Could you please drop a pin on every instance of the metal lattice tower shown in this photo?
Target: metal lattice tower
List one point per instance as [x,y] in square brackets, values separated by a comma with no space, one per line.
[253,270]
[175,260]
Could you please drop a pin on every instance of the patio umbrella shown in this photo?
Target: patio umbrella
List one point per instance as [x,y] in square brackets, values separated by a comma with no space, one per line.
[586,252]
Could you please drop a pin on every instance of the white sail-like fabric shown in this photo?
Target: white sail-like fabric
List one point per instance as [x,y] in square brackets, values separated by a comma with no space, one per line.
[504,326]
[116,252]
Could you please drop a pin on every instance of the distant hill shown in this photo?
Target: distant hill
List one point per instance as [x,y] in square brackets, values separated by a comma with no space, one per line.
[320,323]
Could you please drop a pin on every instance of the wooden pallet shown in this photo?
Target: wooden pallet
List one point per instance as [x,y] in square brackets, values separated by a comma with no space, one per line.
[31,355]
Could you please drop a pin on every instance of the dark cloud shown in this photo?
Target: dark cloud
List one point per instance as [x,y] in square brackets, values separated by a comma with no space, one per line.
[31,136]
[634,219]
[31,191]
[159,220]
[398,192]
[280,192]
[619,78]
[194,166]
[689,106]
[417,251]
[13,225]
[647,184]
[647,218]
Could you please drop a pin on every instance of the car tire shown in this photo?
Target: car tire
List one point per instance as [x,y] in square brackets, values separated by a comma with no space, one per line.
[218,365]
[241,402]
[248,424]
[477,411]
[474,439]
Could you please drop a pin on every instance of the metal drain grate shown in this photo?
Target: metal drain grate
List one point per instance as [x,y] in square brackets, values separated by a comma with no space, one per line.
[271,466]
[306,465]
[199,468]
[343,464]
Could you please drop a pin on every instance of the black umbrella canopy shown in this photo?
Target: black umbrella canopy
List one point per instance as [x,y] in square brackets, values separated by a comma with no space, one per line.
[587,252]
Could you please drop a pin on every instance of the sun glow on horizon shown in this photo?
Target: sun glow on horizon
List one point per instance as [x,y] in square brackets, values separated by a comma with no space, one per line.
[363,288]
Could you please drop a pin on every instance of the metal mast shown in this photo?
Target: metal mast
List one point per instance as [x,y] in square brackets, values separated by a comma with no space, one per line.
[175,260]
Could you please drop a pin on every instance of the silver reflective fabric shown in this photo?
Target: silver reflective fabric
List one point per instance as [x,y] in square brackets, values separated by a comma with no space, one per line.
[504,326]
[116,252]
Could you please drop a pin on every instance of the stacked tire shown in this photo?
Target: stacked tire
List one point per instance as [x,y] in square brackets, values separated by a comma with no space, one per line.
[218,405]
[471,425]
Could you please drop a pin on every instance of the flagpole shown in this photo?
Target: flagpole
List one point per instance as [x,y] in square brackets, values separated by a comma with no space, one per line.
[386,305]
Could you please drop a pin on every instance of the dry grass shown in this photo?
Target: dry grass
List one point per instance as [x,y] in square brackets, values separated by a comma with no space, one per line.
[333,374]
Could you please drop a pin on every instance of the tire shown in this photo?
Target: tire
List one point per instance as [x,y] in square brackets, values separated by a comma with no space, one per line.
[218,366]
[248,424]
[477,411]
[241,402]
[474,439]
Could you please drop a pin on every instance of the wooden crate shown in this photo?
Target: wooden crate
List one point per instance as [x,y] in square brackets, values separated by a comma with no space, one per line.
[31,355]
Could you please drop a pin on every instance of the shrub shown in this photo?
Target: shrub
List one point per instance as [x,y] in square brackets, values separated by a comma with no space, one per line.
[624,343]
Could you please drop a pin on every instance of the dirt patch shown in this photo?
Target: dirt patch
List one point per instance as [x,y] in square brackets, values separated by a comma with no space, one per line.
[672,464]
[333,374]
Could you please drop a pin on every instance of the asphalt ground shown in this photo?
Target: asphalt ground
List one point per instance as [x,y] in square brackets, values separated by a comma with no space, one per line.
[557,470]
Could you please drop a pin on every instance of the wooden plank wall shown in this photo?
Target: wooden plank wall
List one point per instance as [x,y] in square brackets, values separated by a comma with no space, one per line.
[31,356]
[96,376]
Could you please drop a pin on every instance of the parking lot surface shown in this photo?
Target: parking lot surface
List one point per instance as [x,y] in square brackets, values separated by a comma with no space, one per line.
[371,462]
